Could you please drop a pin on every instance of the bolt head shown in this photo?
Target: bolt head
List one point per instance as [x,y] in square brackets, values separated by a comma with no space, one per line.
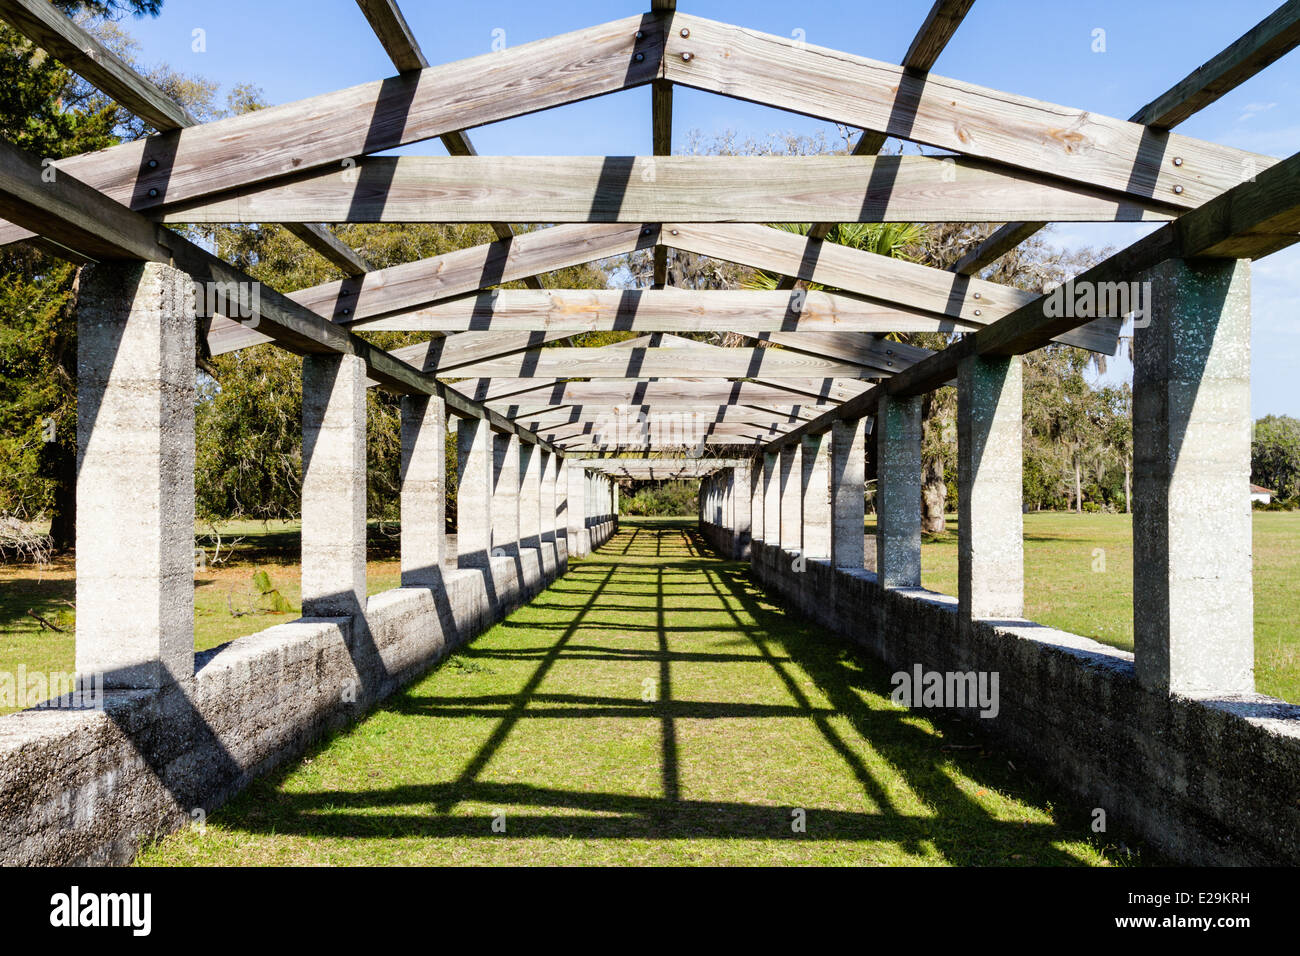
[153,194]
[685,33]
[977,295]
[688,57]
[639,57]
[977,312]
[153,164]
[1178,160]
[1178,190]
[640,34]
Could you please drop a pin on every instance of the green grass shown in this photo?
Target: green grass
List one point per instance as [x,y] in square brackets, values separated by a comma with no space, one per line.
[1063,590]
[652,707]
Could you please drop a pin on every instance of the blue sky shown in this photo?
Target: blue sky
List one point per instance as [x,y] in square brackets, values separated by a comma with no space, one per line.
[298,48]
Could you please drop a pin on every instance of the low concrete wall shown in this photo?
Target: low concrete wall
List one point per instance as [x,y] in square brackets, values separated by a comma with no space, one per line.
[1205,781]
[724,542]
[86,787]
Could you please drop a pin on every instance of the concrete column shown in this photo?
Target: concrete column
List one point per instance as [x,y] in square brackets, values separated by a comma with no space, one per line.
[791,491]
[576,514]
[505,494]
[898,492]
[135,476]
[815,496]
[473,493]
[546,511]
[772,499]
[423,490]
[1193,604]
[562,498]
[530,495]
[990,524]
[333,485]
[848,473]
[740,513]
[756,507]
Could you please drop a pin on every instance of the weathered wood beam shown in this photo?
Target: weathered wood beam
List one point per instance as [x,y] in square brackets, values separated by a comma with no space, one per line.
[667,393]
[93,224]
[940,24]
[1271,38]
[577,415]
[661,121]
[657,363]
[667,310]
[881,278]
[47,26]
[395,35]
[415,284]
[1251,221]
[558,189]
[333,129]
[1078,146]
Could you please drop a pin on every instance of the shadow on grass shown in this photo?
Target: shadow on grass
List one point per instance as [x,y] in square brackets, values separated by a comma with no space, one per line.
[942,774]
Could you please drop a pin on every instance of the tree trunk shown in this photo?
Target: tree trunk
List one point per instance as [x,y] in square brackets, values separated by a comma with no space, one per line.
[1128,486]
[934,491]
[63,519]
[1078,488]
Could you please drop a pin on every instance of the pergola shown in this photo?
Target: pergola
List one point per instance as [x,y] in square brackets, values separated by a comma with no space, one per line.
[798,401]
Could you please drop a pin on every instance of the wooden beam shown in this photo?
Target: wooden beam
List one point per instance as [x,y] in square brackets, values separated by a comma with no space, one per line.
[577,414]
[415,284]
[881,278]
[557,189]
[1078,146]
[661,121]
[658,363]
[666,393]
[668,310]
[331,130]
[399,43]
[1251,221]
[91,223]
[1271,38]
[47,26]
[50,29]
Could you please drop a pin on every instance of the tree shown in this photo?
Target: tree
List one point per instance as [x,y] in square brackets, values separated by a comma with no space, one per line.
[1275,455]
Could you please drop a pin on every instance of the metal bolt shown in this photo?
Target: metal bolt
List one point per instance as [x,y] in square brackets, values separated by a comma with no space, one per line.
[153,194]
[153,164]
[977,311]
[1178,160]
[977,295]
[674,232]
[645,231]
[639,57]
[347,311]
[640,34]
[685,33]
[688,57]
[1178,190]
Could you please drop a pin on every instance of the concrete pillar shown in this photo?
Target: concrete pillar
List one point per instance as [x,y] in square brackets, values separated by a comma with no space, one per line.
[423,490]
[740,510]
[577,514]
[474,456]
[505,494]
[898,492]
[135,476]
[848,473]
[756,506]
[333,485]
[546,509]
[772,499]
[815,496]
[562,499]
[614,490]
[990,523]
[1193,604]
[530,495]
[791,491]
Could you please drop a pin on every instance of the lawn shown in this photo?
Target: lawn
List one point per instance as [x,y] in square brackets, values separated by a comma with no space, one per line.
[652,707]
[1061,588]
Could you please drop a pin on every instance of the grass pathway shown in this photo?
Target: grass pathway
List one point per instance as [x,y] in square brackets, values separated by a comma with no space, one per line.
[652,707]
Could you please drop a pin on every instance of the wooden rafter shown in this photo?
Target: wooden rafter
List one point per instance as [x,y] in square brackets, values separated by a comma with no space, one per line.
[333,129]
[557,189]
[1273,37]
[1078,146]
